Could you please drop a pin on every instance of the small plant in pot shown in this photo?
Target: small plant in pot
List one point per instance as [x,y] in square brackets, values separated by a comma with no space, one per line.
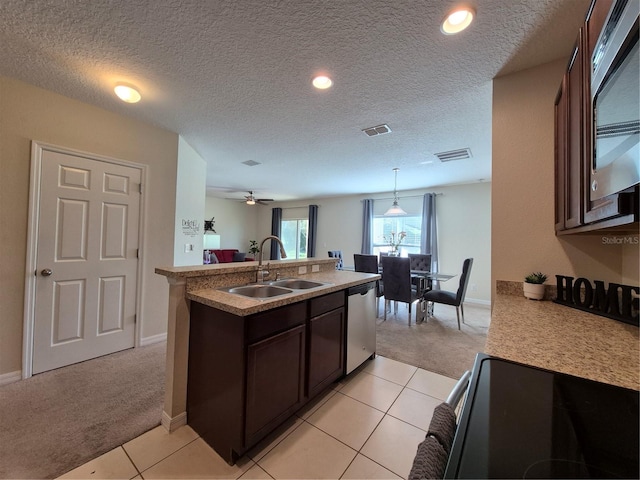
[533,285]
[253,247]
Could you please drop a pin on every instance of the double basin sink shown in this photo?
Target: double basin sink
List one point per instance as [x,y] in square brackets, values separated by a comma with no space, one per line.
[273,288]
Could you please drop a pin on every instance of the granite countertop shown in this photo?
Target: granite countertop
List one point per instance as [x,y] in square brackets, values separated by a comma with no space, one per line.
[555,337]
[235,267]
[335,280]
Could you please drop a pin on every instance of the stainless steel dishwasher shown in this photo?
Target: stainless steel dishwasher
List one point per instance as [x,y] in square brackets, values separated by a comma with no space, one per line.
[361,324]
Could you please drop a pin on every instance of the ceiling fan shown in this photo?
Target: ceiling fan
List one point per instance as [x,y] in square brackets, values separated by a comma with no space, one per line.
[252,200]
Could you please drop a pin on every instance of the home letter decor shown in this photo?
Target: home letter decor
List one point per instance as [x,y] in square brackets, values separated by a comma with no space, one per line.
[619,302]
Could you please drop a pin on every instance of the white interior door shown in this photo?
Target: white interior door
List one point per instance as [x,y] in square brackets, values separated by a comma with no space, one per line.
[87,259]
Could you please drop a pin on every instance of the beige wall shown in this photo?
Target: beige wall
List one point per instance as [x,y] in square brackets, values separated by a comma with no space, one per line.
[464,228]
[190,200]
[523,237]
[28,113]
[235,221]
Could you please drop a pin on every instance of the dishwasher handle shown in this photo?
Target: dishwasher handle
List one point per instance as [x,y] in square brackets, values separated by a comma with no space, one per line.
[361,289]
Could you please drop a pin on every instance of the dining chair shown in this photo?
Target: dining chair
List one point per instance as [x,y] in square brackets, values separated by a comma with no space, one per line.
[369,264]
[421,262]
[396,275]
[450,298]
[337,254]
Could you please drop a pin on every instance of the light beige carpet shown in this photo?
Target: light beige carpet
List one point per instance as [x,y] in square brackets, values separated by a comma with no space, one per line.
[58,420]
[435,345]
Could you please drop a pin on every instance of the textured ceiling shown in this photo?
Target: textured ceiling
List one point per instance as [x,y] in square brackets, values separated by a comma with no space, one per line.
[234,79]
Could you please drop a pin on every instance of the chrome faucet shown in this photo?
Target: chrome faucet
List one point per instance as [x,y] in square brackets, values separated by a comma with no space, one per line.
[262,272]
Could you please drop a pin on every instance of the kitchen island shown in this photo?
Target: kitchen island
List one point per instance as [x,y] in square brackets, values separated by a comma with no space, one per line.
[199,285]
[555,337]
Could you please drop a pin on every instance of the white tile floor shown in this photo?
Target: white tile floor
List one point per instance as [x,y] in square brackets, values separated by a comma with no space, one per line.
[367,427]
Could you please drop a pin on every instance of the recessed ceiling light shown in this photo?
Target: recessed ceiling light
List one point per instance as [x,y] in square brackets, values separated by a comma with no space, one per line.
[457,20]
[127,94]
[322,82]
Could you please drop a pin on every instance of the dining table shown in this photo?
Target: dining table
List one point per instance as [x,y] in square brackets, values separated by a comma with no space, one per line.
[423,275]
[425,278]
[423,281]
[427,275]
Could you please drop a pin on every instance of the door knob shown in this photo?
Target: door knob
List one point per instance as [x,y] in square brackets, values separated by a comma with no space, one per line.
[46,272]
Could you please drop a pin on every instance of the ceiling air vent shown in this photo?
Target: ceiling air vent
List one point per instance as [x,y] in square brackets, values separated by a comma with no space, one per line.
[454,155]
[251,163]
[379,130]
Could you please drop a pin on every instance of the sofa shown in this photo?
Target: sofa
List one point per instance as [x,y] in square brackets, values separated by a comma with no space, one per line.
[228,255]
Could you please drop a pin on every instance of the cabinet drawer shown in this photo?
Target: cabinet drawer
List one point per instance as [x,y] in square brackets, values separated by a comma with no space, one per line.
[269,323]
[326,303]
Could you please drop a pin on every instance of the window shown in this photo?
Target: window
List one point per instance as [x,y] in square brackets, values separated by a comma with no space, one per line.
[383,226]
[294,237]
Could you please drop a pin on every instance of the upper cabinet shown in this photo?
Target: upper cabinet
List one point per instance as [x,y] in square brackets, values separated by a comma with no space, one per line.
[597,124]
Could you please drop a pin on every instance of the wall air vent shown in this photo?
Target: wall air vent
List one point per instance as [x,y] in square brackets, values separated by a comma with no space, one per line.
[454,155]
[251,163]
[379,130]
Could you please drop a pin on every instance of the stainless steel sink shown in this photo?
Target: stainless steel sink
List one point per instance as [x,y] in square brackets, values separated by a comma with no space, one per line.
[296,283]
[273,288]
[258,291]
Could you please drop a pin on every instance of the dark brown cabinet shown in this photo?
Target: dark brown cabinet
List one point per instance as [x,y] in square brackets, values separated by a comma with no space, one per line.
[570,151]
[574,167]
[326,341]
[561,129]
[575,212]
[275,381]
[569,162]
[249,374]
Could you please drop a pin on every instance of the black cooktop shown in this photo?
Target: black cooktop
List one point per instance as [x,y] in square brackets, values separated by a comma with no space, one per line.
[524,422]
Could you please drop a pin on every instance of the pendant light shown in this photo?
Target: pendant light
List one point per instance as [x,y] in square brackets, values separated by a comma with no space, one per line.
[395,209]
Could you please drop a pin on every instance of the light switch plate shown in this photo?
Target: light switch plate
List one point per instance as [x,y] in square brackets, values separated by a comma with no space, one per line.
[302,270]
[315,268]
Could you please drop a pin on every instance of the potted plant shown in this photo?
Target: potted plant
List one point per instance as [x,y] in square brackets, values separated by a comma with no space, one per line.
[253,247]
[533,285]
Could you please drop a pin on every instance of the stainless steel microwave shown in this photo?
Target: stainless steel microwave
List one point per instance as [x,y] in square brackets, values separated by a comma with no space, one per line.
[615,97]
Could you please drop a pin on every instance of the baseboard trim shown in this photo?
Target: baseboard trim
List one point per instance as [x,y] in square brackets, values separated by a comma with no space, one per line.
[172,424]
[11,377]
[477,301]
[161,337]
